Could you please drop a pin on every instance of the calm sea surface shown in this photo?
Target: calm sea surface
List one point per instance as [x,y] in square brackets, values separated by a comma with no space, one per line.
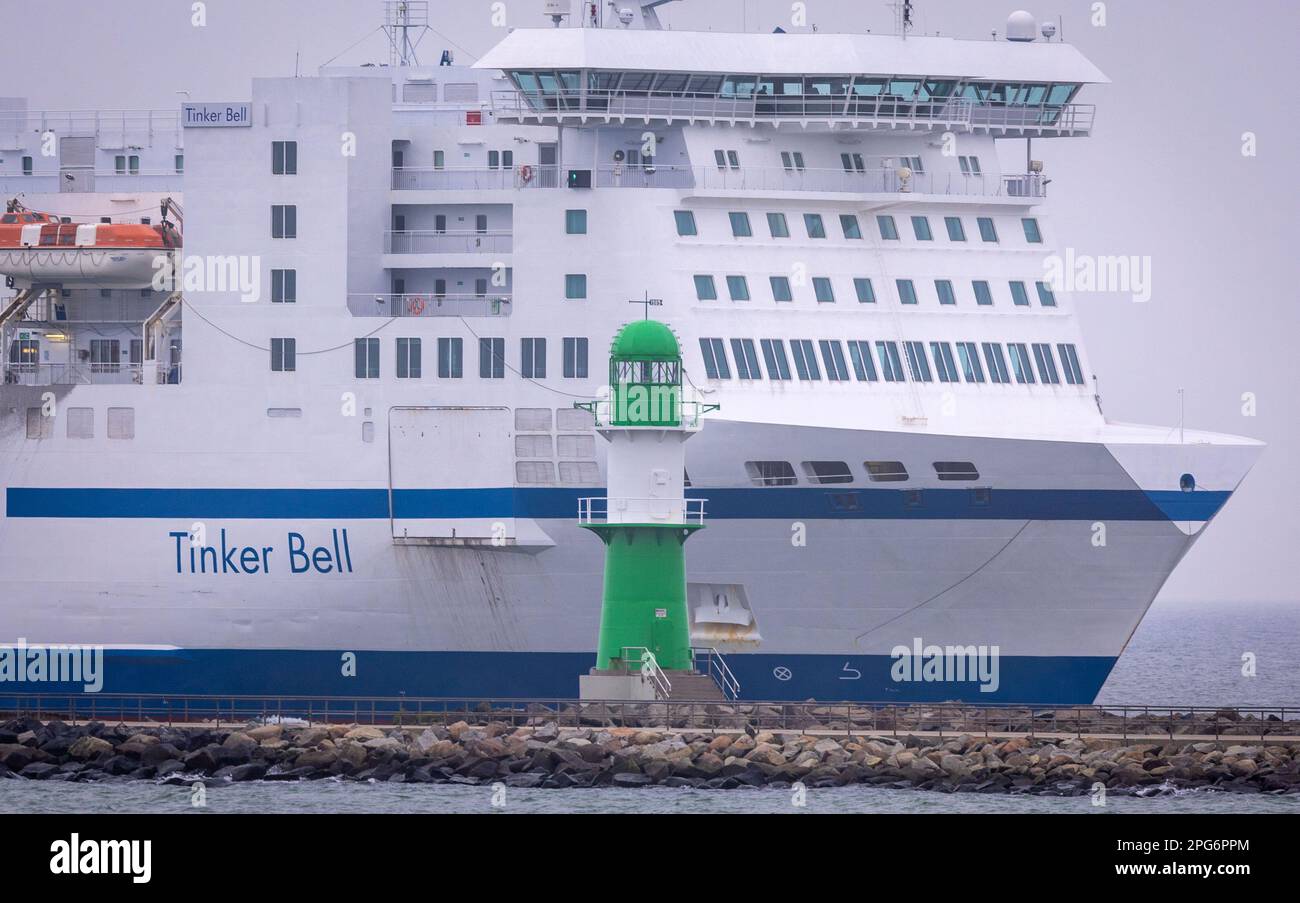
[1179,656]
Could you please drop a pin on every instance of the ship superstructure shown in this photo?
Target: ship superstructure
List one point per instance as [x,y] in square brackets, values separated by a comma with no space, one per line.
[401,277]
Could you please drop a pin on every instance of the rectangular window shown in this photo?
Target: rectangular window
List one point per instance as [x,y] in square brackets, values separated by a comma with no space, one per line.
[284,286]
[771,473]
[740,225]
[575,222]
[849,223]
[1046,364]
[179,161]
[997,363]
[492,358]
[805,360]
[408,358]
[1033,234]
[888,228]
[777,225]
[738,288]
[837,369]
[824,290]
[864,367]
[575,358]
[1045,296]
[81,423]
[1019,295]
[720,158]
[685,222]
[366,358]
[1020,363]
[917,362]
[828,472]
[956,231]
[575,286]
[1070,364]
[778,365]
[27,166]
[786,162]
[956,471]
[813,223]
[705,289]
[440,223]
[946,294]
[121,423]
[494,159]
[866,293]
[746,359]
[481,285]
[284,158]
[105,355]
[886,471]
[983,294]
[119,164]
[906,291]
[969,356]
[891,366]
[283,355]
[284,221]
[439,159]
[944,364]
[715,359]
[781,289]
[532,358]
[135,164]
[988,231]
[733,159]
[921,228]
[847,162]
[451,358]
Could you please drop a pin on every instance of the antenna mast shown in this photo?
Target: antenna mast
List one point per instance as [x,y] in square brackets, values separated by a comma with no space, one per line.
[902,17]
[401,18]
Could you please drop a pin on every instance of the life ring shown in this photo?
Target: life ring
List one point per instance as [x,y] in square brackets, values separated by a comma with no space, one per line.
[415,306]
[526,173]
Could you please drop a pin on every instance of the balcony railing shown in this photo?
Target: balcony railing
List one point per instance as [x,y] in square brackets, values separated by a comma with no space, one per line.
[596,510]
[430,304]
[433,242]
[90,374]
[452,178]
[111,128]
[874,110]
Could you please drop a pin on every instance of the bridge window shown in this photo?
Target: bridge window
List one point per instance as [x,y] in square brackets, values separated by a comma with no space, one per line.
[283,355]
[1033,234]
[970,362]
[781,289]
[777,225]
[738,288]
[946,294]
[1045,295]
[451,357]
[955,471]
[943,362]
[864,368]
[1046,364]
[824,290]
[805,360]
[837,369]
[956,231]
[778,365]
[849,223]
[1020,363]
[917,362]
[906,291]
[921,228]
[705,289]
[746,359]
[866,293]
[886,471]
[891,366]
[575,358]
[715,359]
[827,472]
[1019,295]
[996,362]
[813,223]
[1070,364]
[771,473]
[988,231]
[888,228]
[685,222]
[532,358]
[740,225]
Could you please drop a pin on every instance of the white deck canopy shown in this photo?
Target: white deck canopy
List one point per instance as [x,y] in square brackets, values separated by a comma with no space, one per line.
[794,54]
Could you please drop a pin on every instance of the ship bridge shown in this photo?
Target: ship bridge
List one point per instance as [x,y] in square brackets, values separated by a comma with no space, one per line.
[1002,88]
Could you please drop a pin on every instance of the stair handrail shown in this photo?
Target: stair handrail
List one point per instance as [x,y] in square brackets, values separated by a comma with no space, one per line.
[650,669]
[716,667]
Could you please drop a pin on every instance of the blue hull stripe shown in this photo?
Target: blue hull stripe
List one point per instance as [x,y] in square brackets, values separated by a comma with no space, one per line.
[724,504]
[1037,680]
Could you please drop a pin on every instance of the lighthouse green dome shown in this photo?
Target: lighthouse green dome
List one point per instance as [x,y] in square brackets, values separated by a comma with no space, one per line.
[646,340]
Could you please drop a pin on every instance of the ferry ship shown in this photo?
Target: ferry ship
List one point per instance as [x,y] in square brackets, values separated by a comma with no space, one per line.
[333,450]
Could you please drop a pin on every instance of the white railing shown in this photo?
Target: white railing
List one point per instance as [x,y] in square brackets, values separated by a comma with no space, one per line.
[596,510]
[650,669]
[80,374]
[430,304]
[112,128]
[452,178]
[421,241]
[874,109]
[716,667]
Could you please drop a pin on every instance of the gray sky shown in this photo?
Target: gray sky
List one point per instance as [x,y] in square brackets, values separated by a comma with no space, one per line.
[1163,176]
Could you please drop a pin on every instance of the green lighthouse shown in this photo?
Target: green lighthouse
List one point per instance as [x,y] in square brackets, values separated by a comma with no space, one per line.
[645,519]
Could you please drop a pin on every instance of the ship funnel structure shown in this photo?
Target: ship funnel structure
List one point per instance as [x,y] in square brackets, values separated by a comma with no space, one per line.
[645,518]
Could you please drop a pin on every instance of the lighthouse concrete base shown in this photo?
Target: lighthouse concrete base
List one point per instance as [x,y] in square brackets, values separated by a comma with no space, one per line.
[616,686]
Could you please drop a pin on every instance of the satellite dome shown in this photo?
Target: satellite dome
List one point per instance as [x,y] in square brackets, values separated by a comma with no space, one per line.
[1022,26]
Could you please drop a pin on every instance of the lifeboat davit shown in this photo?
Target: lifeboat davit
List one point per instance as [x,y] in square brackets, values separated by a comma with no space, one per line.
[38,249]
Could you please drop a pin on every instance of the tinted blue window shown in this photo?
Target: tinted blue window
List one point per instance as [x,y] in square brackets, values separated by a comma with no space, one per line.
[888,228]
[906,291]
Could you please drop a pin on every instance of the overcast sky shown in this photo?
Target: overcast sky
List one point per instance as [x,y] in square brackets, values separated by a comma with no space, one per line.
[1163,176]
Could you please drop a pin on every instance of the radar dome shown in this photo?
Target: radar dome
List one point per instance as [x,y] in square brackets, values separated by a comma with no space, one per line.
[1021,26]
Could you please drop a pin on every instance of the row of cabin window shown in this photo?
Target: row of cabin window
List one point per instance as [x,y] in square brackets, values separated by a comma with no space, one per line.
[123,164]
[105,354]
[886,362]
[451,358]
[782,473]
[80,423]
[793,161]
[863,288]
[815,227]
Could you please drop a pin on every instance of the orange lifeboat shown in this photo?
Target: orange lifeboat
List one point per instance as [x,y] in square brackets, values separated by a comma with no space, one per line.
[38,249]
